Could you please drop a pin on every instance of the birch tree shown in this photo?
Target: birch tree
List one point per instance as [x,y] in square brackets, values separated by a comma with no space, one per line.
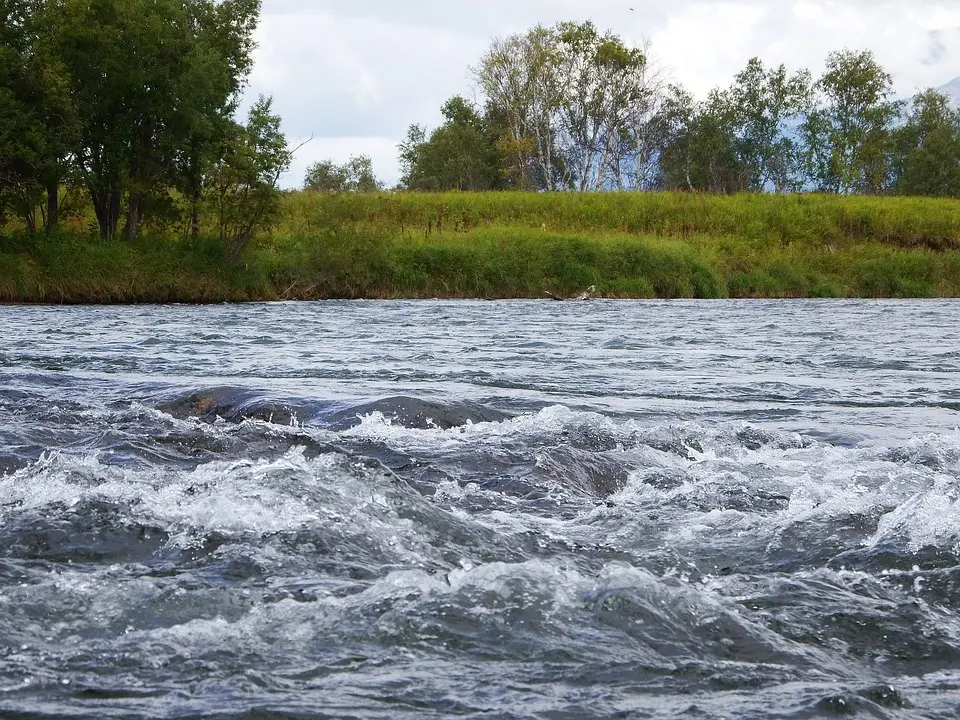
[602,81]
[848,134]
[518,75]
[633,163]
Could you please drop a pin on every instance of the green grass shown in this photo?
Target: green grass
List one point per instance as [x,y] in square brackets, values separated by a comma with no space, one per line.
[828,219]
[497,245]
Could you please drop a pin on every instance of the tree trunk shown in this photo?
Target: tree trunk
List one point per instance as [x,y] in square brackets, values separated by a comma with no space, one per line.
[195,207]
[195,180]
[134,213]
[106,205]
[53,205]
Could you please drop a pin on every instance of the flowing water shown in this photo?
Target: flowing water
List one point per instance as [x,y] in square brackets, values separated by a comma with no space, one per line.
[471,509]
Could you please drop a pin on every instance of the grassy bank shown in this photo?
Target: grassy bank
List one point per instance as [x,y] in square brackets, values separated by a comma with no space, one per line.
[498,245]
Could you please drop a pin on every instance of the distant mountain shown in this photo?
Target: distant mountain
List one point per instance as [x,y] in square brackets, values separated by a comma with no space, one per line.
[952,91]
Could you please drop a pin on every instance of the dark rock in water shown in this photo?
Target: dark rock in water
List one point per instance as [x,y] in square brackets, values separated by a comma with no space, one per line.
[88,532]
[234,404]
[664,478]
[868,701]
[754,438]
[422,414]
[840,706]
[884,696]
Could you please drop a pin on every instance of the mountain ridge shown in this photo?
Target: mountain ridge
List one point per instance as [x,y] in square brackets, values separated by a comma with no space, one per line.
[951,90]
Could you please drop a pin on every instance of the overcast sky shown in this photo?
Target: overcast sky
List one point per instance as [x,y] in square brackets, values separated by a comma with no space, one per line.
[355,74]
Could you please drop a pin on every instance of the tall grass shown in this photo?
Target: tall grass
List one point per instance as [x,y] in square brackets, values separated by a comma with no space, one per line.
[497,245]
[824,219]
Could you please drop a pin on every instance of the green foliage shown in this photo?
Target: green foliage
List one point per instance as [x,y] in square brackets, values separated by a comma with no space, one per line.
[571,104]
[781,220]
[520,245]
[927,161]
[461,154]
[243,187]
[738,140]
[355,175]
[129,99]
[764,101]
[37,121]
[574,108]
[600,80]
[519,79]
[144,75]
[849,134]
[703,152]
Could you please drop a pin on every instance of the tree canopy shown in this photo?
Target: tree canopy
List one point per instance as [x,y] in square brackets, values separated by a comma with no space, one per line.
[132,102]
[568,107]
[355,175]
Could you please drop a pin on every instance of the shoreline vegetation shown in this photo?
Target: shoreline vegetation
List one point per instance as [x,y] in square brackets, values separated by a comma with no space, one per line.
[513,245]
[127,174]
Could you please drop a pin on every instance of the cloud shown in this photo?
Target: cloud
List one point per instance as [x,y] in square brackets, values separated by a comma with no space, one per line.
[355,74]
[937,48]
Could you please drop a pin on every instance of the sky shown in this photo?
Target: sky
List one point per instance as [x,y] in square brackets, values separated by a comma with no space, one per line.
[353,75]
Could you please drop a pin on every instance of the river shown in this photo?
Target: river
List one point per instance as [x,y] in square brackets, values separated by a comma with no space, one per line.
[481,509]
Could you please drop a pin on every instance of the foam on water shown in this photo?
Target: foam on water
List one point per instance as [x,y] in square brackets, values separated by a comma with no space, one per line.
[595,512]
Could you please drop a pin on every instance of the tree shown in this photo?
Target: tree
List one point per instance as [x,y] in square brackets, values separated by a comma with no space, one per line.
[848,135]
[356,175]
[766,101]
[17,131]
[569,101]
[214,78]
[518,76]
[154,83]
[600,80]
[461,154]
[635,150]
[37,121]
[703,151]
[243,186]
[927,149]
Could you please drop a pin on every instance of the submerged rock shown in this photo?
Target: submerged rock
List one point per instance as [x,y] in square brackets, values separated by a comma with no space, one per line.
[420,414]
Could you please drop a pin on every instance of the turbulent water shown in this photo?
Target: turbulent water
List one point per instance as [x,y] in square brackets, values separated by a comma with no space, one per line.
[470,509]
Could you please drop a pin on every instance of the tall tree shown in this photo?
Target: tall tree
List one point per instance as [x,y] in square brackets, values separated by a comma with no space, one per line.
[927,148]
[767,103]
[703,151]
[518,76]
[16,127]
[635,148]
[243,185]
[152,80]
[567,98]
[601,80]
[37,121]
[848,134]
[461,154]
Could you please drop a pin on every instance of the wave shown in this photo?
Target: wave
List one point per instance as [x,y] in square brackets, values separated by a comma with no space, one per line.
[544,548]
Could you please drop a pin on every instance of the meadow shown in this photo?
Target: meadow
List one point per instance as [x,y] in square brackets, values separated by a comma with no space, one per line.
[515,245]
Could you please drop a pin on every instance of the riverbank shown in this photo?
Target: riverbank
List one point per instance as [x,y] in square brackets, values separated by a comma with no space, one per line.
[513,245]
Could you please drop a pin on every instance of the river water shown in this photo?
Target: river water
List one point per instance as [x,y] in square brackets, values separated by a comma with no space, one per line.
[481,509]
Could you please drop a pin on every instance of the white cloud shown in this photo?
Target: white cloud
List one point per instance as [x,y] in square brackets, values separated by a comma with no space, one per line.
[356,73]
